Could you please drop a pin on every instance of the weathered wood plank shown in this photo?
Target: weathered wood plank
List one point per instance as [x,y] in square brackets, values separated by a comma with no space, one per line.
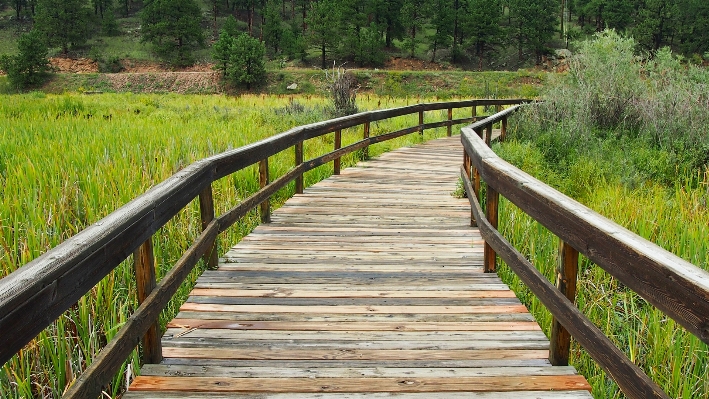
[315,385]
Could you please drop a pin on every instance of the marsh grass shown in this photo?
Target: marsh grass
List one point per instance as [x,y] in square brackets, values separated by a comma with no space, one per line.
[68,160]
[628,138]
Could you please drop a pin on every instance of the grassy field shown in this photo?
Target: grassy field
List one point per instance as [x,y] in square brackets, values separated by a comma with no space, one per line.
[68,160]
[629,139]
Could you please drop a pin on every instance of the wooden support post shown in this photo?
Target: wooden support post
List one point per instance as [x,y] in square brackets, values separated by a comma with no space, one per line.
[488,134]
[498,108]
[503,129]
[468,167]
[298,161]
[144,266]
[365,150]
[206,210]
[450,118]
[567,272]
[466,163]
[338,145]
[491,214]
[476,183]
[475,112]
[263,180]
[421,123]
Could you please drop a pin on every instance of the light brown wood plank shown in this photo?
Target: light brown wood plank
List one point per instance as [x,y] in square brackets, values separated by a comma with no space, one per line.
[206,307]
[188,324]
[315,385]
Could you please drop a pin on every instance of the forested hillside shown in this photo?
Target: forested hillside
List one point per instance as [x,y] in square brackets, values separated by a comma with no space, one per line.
[489,34]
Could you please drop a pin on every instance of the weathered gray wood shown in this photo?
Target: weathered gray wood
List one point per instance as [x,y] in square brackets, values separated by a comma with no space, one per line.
[299,160]
[103,367]
[206,208]
[629,377]
[670,283]
[264,179]
[492,202]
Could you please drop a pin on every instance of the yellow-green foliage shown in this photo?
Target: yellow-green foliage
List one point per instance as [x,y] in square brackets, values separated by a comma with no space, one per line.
[66,161]
[675,218]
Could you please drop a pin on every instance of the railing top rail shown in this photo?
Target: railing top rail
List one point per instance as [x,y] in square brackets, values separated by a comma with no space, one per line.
[673,285]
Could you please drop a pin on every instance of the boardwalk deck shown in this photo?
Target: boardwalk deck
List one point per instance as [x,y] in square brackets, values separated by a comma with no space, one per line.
[369,284]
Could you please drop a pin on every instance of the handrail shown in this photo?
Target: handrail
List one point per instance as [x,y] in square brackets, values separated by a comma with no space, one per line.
[670,283]
[33,296]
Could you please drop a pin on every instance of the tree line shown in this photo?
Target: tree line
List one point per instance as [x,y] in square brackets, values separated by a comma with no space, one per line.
[363,32]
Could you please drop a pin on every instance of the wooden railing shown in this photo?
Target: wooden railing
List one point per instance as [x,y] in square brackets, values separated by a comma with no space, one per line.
[36,294]
[673,285]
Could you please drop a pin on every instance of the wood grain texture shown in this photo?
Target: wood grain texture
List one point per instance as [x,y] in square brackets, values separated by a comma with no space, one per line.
[366,278]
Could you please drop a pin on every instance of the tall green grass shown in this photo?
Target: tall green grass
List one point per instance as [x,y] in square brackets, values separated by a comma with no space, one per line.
[597,139]
[68,160]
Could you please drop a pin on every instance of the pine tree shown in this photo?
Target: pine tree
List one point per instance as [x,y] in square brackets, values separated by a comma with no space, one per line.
[62,23]
[323,22]
[30,66]
[246,61]
[442,23]
[533,25]
[173,27]
[413,15]
[482,27]
[273,26]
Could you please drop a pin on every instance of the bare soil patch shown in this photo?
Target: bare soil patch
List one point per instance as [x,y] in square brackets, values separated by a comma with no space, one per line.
[70,65]
[409,64]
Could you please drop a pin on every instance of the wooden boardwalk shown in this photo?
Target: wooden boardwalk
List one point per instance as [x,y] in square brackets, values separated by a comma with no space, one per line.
[369,284]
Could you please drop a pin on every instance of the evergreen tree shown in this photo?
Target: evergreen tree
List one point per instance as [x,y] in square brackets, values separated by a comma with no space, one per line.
[273,26]
[414,15]
[482,26]
[693,35]
[62,23]
[323,22]
[293,43]
[30,66]
[246,62]
[221,50]
[355,15]
[657,22]
[533,25]
[387,14]
[173,27]
[442,23]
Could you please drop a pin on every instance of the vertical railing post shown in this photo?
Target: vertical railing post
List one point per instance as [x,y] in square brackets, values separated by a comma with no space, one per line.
[503,129]
[567,272]
[365,150]
[206,210]
[488,134]
[491,214]
[338,145]
[469,168]
[265,206]
[450,126]
[144,266]
[498,108]
[421,123]
[298,161]
[475,112]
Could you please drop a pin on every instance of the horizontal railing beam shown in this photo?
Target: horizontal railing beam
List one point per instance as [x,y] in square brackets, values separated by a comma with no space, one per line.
[630,378]
[670,283]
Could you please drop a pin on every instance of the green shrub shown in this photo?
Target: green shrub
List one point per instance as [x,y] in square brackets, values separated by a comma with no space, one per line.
[30,66]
